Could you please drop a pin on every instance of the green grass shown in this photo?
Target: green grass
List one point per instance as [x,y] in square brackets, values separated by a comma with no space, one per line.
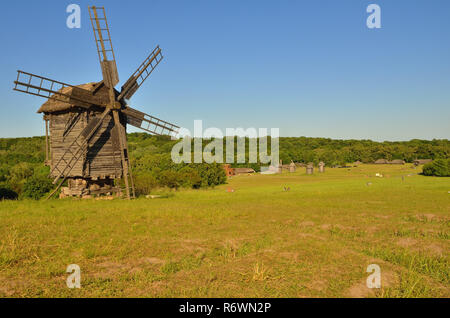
[315,240]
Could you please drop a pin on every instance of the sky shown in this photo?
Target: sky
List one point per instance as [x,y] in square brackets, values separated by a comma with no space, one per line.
[310,68]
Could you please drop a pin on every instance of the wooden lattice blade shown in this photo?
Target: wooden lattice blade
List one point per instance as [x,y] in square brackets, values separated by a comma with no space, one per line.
[149,123]
[144,70]
[104,45]
[45,87]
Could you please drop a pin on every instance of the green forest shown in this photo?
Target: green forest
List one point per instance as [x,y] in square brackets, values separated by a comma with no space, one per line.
[24,175]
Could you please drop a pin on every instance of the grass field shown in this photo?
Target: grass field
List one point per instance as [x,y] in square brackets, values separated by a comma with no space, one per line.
[315,240]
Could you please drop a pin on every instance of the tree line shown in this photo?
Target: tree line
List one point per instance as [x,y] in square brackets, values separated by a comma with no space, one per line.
[23,174]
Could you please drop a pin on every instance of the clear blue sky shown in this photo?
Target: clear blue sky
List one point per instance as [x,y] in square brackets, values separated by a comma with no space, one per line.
[310,68]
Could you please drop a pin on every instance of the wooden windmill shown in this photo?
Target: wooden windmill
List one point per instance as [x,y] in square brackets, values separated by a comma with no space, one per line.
[87,145]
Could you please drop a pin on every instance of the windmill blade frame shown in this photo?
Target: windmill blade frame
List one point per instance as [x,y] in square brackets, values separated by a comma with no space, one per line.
[110,79]
[149,123]
[104,45]
[44,87]
[141,74]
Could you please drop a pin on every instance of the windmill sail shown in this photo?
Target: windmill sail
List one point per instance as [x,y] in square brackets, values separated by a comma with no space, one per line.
[144,70]
[105,49]
[51,89]
[149,123]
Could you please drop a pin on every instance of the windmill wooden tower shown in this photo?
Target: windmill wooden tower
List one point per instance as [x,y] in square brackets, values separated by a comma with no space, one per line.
[86,140]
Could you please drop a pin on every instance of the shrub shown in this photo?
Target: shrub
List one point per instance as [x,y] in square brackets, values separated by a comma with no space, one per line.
[36,187]
[3,173]
[438,168]
[21,171]
[192,180]
[189,177]
[18,174]
[170,179]
[144,183]
[7,194]
[211,174]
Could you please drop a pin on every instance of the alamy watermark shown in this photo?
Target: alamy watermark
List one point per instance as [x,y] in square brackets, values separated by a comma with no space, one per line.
[374,279]
[74,279]
[74,19]
[374,19]
[213,152]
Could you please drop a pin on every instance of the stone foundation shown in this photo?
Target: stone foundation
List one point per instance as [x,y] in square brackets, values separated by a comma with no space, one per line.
[88,188]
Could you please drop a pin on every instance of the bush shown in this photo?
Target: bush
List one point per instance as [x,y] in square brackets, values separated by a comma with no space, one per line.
[191,179]
[36,187]
[438,168]
[144,184]
[3,173]
[18,174]
[7,194]
[211,174]
[21,171]
[170,179]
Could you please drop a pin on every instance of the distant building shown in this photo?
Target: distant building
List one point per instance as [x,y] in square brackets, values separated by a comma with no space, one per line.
[422,161]
[397,162]
[292,167]
[310,168]
[243,170]
[280,166]
[228,170]
[321,167]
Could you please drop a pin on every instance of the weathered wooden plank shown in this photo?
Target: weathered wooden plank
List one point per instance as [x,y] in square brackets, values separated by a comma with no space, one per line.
[103,156]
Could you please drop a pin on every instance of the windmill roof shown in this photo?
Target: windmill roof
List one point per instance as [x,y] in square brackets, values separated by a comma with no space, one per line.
[53,105]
